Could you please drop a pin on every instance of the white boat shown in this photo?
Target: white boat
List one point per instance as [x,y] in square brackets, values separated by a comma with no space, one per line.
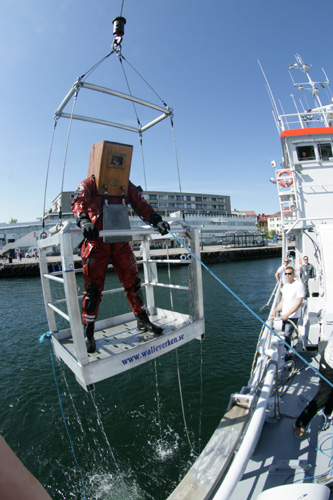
[254,453]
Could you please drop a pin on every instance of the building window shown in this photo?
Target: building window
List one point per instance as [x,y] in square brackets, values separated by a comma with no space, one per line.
[198,198]
[153,197]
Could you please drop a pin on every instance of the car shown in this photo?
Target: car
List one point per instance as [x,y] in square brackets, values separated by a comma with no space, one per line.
[32,252]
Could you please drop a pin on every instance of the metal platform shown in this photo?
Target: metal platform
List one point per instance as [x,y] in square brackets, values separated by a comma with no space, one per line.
[120,345]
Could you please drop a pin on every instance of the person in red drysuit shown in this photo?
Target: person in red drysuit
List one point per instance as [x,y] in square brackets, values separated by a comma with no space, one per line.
[87,207]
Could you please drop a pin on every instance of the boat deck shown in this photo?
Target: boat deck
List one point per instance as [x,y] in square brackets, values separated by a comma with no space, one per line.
[279,457]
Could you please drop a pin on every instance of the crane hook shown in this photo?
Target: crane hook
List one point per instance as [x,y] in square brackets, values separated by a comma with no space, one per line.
[118,30]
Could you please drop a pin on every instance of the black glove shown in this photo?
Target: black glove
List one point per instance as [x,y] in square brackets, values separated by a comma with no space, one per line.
[89,230]
[163,227]
[156,220]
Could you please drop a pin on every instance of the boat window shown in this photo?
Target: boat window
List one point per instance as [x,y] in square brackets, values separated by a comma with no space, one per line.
[305,153]
[325,150]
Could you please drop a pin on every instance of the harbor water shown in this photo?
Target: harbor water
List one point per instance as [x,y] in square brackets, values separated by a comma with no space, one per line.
[129,436]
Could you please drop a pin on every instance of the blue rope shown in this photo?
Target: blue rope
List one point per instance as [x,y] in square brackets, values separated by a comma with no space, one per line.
[249,309]
[48,335]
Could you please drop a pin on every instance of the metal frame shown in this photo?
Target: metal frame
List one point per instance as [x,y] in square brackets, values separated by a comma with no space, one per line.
[166,112]
[69,343]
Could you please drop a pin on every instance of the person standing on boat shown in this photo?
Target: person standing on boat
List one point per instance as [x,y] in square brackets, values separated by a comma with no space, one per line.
[279,275]
[324,396]
[293,293]
[93,213]
[307,271]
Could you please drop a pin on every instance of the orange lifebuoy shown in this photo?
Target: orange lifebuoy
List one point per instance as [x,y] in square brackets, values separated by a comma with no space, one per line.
[288,181]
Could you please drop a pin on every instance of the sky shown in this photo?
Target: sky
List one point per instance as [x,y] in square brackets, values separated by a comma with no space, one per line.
[200,57]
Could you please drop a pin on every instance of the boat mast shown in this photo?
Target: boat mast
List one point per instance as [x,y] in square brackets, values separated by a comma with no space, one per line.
[310,85]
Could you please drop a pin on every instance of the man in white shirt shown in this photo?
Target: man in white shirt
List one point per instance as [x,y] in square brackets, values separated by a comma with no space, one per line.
[279,275]
[293,293]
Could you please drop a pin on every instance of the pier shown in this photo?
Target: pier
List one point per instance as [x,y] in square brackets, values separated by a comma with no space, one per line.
[210,254]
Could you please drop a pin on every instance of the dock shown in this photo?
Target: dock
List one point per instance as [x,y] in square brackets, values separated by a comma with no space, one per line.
[210,254]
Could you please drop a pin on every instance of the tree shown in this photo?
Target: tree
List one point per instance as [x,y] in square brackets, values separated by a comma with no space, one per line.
[12,221]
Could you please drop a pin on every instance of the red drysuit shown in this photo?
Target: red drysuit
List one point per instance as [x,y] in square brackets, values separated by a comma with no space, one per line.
[96,255]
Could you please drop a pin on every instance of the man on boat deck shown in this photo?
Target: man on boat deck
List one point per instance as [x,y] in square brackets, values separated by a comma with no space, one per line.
[91,210]
[324,396]
[279,275]
[307,271]
[293,293]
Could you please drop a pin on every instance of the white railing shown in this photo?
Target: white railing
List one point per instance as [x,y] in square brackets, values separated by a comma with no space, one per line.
[65,240]
[319,117]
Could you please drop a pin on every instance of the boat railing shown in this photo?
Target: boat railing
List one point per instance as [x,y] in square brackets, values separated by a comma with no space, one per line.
[319,117]
[264,347]
[306,220]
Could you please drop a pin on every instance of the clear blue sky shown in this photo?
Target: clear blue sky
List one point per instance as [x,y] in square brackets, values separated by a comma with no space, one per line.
[201,58]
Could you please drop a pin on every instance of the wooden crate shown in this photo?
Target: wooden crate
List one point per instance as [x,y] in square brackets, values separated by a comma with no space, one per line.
[110,163]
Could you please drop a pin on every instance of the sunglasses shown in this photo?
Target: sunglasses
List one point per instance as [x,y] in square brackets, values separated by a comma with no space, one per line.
[288,274]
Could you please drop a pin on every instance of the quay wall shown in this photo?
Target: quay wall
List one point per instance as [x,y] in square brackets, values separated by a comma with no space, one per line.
[209,255]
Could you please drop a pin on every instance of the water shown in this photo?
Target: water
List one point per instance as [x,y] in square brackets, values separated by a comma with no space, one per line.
[128,435]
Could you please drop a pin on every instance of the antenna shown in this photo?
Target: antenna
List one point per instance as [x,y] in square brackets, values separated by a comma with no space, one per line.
[298,113]
[270,93]
[275,110]
[310,85]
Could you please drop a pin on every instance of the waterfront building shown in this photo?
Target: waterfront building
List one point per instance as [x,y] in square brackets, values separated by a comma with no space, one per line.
[210,212]
[275,222]
[262,221]
[166,202]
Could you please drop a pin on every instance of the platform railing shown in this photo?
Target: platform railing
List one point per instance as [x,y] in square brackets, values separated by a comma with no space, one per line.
[65,240]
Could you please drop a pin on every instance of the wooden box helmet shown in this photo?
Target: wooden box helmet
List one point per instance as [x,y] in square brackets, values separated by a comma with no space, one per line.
[110,163]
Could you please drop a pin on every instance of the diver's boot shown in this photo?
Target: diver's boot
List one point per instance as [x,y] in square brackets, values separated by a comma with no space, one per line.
[89,334]
[146,326]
